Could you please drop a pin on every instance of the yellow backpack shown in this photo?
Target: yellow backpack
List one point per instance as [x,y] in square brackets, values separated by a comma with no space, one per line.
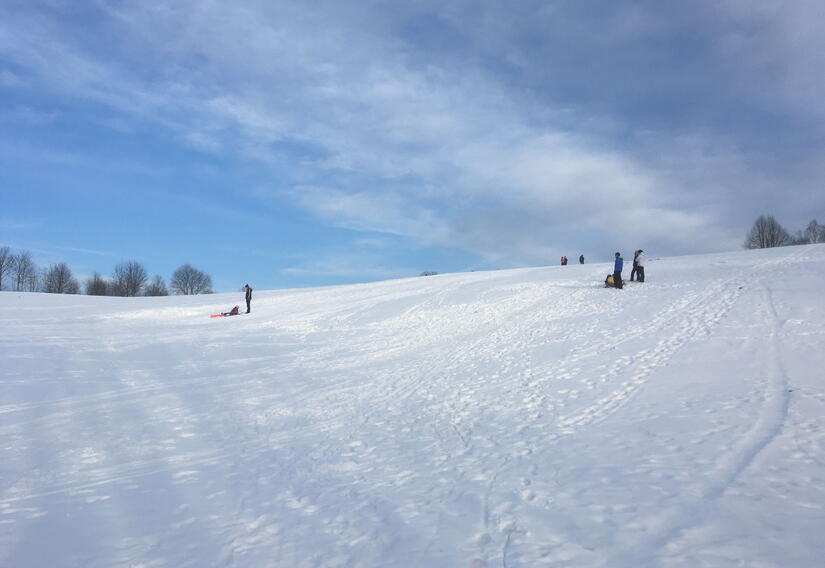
[608,282]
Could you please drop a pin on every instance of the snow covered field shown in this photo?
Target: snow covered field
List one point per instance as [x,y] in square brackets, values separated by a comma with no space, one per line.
[515,418]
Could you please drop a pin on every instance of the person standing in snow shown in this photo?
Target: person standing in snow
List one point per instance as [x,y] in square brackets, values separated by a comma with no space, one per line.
[640,265]
[635,270]
[581,259]
[617,271]
[248,290]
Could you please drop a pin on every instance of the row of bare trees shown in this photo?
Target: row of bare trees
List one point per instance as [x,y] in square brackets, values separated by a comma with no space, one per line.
[767,232]
[19,272]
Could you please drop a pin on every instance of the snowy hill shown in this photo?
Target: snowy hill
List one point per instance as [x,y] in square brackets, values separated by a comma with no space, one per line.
[515,418]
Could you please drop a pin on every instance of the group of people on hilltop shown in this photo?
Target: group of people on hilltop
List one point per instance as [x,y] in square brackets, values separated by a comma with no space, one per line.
[638,271]
[615,279]
[564,260]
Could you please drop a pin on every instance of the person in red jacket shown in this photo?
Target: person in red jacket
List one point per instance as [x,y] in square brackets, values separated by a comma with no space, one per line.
[248,290]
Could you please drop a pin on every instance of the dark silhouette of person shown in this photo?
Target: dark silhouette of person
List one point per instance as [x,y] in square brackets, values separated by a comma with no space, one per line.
[635,270]
[640,265]
[581,259]
[248,290]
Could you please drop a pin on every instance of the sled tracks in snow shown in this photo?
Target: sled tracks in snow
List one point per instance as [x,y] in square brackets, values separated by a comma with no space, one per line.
[668,525]
[692,318]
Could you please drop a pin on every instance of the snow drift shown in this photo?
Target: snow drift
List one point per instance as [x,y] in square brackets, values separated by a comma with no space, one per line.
[514,418]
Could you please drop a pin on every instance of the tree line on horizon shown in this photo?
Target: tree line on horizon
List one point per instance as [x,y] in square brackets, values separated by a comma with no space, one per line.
[767,232]
[19,273]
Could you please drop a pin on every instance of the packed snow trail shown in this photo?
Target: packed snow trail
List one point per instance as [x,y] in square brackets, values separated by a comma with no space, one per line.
[514,418]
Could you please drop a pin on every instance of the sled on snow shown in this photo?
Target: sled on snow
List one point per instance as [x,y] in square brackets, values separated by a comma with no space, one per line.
[608,282]
[233,312]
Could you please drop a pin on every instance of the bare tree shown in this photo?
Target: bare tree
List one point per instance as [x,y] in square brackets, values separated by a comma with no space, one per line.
[73,287]
[128,279]
[188,280]
[5,263]
[814,233]
[767,233]
[33,281]
[96,285]
[23,272]
[156,288]
[58,279]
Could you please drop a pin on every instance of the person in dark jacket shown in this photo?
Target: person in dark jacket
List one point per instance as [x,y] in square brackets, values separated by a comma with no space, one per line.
[248,290]
[581,259]
[635,270]
[617,271]
[640,265]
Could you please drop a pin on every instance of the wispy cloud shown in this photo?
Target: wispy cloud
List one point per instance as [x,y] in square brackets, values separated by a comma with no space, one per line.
[7,224]
[346,266]
[55,250]
[28,115]
[386,212]
[9,79]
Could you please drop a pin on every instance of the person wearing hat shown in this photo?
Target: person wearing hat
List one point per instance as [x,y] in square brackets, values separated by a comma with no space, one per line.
[635,270]
[640,265]
[248,290]
[617,271]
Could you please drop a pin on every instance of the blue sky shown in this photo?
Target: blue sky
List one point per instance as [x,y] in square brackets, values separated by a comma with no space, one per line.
[311,143]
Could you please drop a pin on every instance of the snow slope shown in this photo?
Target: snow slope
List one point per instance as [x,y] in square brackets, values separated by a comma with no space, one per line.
[515,418]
